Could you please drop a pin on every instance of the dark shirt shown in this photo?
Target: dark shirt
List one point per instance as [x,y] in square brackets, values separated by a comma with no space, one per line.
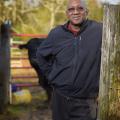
[73,31]
[75,68]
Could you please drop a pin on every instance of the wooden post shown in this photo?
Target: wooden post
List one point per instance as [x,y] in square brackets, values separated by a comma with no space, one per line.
[109,94]
[4,65]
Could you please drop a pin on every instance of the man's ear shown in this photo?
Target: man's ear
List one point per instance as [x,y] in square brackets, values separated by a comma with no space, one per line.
[66,12]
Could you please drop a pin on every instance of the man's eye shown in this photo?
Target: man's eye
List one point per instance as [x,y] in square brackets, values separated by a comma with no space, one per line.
[71,9]
[80,8]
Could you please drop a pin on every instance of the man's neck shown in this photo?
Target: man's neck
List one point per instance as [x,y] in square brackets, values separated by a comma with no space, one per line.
[75,28]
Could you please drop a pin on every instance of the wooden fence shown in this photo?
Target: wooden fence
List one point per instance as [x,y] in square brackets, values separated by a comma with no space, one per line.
[22,74]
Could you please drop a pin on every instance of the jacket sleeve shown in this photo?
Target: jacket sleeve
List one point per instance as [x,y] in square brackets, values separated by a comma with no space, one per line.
[44,55]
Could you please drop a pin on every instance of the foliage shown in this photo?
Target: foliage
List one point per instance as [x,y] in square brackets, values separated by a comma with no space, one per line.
[54,7]
[95,11]
[28,19]
[42,17]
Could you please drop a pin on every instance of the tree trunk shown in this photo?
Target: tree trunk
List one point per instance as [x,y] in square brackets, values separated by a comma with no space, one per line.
[4,66]
[52,20]
[109,95]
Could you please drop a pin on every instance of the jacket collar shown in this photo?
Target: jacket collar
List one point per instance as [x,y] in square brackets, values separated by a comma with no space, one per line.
[83,26]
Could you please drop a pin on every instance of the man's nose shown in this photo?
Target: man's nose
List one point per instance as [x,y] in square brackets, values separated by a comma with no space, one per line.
[76,11]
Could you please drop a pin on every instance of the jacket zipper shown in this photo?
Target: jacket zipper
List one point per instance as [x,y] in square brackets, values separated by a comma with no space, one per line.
[74,59]
[76,50]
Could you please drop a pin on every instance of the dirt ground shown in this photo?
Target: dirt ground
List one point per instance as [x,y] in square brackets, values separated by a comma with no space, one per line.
[39,110]
[36,110]
[40,113]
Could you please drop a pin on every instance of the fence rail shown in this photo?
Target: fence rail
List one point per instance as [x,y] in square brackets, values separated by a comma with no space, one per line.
[19,58]
[23,77]
[20,62]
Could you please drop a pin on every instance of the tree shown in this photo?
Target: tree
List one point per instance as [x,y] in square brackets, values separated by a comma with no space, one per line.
[15,11]
[39,16]
[109,95]
[29,18]
[54,6]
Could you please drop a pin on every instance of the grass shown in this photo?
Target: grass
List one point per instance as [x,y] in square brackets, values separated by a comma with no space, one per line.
[15,112]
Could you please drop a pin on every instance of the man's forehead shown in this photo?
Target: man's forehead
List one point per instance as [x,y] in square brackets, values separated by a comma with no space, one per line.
[82,3]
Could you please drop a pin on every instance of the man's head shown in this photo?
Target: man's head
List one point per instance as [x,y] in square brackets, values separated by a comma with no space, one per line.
[76,11]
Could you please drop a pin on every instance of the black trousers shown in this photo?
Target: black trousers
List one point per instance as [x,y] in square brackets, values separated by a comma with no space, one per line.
[65,108]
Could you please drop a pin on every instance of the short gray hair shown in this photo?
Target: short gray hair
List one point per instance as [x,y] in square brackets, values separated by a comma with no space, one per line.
[83,3]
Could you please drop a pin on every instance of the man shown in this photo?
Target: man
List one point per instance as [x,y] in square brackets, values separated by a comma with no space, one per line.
[74,72]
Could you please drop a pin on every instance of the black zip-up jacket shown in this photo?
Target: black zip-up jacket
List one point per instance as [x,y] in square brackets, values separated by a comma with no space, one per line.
[72,63]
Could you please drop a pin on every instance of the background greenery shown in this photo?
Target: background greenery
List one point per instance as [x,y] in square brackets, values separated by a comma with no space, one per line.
[39,16]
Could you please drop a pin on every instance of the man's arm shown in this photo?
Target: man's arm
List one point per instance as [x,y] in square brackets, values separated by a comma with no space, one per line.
[44,55]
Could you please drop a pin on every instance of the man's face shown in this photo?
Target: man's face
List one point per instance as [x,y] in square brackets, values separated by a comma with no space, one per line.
[76,12]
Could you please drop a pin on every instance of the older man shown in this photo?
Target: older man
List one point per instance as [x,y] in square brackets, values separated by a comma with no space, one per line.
[74,71]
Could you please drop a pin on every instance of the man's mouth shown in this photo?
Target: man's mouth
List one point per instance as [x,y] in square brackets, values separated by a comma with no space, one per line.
[76,18]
